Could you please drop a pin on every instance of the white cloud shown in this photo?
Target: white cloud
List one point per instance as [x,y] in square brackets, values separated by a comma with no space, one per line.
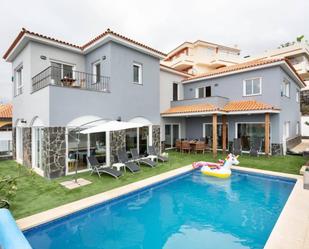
[254,25]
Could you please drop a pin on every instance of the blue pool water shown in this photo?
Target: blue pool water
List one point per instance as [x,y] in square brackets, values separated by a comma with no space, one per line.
[191,211]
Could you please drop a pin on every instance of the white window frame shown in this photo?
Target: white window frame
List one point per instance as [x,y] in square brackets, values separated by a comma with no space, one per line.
[297,96]
[297,128]
[94,71]
[252,122]
[252,80]
[286,88]
[140,73]
[18,80]
[286,130]
[172,133]
[204,92]
[64,63]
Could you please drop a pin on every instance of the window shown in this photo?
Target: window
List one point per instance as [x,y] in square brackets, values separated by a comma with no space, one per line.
[171,135]
[207,134]
[285,88]
[18,88]
[252,87]
[297,128]
[297,96]
[96,70]
[203,92]
[175,91]
[137,73]
[249,133]
[287,129]
[60,71]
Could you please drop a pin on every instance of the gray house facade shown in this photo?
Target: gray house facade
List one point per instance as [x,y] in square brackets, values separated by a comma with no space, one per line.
[60,88]
[258,99]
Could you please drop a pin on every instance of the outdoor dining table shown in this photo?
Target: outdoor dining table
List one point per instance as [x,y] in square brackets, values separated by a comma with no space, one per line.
[192,144]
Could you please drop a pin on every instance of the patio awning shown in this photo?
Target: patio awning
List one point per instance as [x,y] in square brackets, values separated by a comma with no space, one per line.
[112,126]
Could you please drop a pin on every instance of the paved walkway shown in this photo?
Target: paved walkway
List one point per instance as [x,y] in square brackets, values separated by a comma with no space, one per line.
[300,148]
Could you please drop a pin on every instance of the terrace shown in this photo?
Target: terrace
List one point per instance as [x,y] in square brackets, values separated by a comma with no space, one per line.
[67,77]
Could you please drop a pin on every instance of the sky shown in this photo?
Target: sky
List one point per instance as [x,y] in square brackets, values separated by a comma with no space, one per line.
[253,25]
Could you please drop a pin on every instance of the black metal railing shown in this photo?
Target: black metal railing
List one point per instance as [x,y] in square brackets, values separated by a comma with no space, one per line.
[70,78]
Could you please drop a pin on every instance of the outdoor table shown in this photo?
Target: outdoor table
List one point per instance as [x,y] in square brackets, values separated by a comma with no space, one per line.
[118,166]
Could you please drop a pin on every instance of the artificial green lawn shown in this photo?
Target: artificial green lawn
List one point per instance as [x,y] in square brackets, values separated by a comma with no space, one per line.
[36,194]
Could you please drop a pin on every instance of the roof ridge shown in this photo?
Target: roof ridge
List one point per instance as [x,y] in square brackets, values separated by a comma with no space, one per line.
[83,47]
[236,67]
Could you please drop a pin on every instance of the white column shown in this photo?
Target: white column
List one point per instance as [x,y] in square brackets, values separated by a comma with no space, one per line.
[108,149]
[150,135]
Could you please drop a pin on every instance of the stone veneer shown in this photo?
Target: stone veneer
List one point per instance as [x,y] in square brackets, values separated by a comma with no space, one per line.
[14,143]
[156,137]
[27,153]
[54,151]
[276,149]
[117,141]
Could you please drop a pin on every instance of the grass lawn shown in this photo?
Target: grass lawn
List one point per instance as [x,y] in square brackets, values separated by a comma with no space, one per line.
[37,194]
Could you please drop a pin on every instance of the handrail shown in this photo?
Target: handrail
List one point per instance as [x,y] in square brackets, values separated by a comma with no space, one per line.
[70,78]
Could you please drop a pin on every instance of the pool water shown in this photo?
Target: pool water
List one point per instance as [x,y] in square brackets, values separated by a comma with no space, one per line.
[191,211]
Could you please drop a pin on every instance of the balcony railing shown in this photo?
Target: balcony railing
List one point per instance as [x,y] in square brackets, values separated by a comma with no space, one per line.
[70,78]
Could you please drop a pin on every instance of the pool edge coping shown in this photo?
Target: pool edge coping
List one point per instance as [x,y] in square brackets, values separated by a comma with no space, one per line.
[32,221]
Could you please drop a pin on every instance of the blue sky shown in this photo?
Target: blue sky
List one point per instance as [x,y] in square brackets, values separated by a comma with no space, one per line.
[254,25]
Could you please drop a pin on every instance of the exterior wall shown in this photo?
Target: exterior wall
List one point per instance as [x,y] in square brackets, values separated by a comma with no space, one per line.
[126,100]
[290,111]
[231,86]
[25,106]
[27,154]
[54,151]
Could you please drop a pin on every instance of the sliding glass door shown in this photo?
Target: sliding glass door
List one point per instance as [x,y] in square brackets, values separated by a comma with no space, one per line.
[209,138]
[172,132]
[249,132]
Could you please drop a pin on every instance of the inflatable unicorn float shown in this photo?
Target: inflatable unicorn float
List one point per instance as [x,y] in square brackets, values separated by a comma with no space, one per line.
[222,169]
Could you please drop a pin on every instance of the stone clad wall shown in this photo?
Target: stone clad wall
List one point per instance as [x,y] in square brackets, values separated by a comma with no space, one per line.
[117,141]
[54,151]
[27,153]
[14,143]
[156,137]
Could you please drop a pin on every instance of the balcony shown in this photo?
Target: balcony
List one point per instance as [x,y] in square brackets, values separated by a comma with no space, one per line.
[217,101]
[56,76]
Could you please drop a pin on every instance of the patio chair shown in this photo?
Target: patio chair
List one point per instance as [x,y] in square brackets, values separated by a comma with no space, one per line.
[255,147]
[152,152]
[123,158]
[137,158]
[237,148]
[99,169]
[200,146]
[178,145]
[186,146]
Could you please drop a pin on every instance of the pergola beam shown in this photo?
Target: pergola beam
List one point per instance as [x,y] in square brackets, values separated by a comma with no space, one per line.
[214,134]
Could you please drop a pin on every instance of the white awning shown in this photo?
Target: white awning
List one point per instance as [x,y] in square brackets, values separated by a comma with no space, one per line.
[112,126]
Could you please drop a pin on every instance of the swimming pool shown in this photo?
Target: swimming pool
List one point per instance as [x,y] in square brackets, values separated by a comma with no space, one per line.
[189,211]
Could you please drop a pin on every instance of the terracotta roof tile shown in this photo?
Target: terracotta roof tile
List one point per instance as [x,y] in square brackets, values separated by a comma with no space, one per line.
[246,105]
[6,111]
[233,106]
[241,66]
[191,108]
[107,32]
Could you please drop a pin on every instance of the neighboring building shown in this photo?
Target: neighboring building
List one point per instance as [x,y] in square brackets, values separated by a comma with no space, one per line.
[257,99]
[5,129]
[298,55]
[59,86]
[201,57]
